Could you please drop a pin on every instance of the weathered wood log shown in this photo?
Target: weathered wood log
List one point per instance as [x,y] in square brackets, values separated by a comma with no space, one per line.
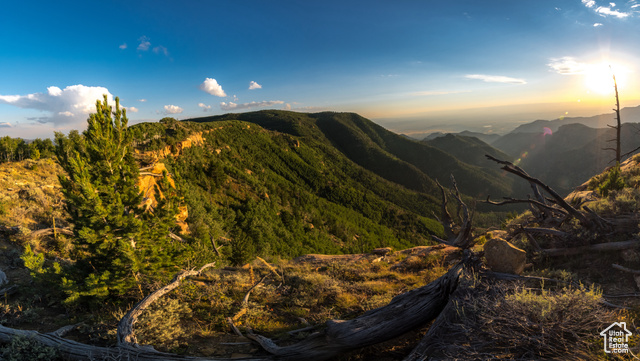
[404,313]
[49,231]
[613,246]
[72,350]
[428,344]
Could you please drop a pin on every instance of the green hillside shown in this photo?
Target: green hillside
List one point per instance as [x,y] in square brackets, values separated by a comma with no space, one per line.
[470,150]
[403,161]
[274,193]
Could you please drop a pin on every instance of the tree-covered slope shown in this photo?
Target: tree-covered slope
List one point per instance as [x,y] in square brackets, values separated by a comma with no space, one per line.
[391,156]
[267,192]
[470,150]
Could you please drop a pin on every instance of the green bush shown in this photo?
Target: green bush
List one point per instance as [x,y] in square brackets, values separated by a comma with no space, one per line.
[23,348]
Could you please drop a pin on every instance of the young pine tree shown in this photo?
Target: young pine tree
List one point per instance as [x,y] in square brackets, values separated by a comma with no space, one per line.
[113,244]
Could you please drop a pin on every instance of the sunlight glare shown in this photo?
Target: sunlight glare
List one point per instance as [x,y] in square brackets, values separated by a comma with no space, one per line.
[599,77]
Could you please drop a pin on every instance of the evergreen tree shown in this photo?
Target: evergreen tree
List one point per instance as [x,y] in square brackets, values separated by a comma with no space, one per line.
[113,241]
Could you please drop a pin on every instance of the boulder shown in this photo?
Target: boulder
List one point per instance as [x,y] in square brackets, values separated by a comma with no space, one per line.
[504,257]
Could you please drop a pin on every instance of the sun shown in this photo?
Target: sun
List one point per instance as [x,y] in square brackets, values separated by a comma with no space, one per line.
[599,77]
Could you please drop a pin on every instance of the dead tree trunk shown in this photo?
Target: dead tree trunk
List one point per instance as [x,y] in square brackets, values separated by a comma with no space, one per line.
[404,313]
[462,237]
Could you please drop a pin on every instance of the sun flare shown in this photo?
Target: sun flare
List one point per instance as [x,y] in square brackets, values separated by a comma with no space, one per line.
[599,77]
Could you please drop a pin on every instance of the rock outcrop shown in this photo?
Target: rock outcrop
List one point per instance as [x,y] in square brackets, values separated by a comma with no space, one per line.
[504,257]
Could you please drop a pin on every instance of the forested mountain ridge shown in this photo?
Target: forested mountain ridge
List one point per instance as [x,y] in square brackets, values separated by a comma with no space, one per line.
[284,183]
[392,156]
[275,194]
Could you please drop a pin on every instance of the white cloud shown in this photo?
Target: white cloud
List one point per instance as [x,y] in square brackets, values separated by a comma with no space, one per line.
[123,46]
[161,50]
[132,109]
[287,106]
[172,109]
[212,87]
[5,125]
[142,100]
[567,65]
[145,44]
[234,106]
[604,11]
[254,85]
[597,24]
[608,10]
[496,79]
[204,107]
[72,104]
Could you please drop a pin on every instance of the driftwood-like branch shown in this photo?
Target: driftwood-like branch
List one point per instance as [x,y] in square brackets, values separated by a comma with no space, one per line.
[550,231]
[534,188]
[613,246]
[125,332]
[72,350]
[445,218]
[405,312]
[625,269]
[509,200]
[462,238]
[511,168]
[48,231]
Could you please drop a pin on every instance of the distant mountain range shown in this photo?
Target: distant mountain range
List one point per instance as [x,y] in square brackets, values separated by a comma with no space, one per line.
[563,152]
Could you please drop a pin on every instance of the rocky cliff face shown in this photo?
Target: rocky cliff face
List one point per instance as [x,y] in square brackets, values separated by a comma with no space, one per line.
[151,174]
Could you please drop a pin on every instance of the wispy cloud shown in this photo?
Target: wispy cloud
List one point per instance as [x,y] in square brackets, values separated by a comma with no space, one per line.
[496,79]
[262,104]
[436,92]
[145,44]
[132,109]
[254,85]
[142,100]
[161,50]
[567,65]
[70,105]
[597,25]
[589,3]
[212,87]
[5,125]
[205,108]
[172,109]
[123,46]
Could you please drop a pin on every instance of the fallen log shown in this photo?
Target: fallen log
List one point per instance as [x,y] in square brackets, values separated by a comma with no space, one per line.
[613,246]
[48,231]
[72,350]
[404,313]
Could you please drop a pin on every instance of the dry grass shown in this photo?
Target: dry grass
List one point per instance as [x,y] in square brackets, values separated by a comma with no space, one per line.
[301,295]
[503,321]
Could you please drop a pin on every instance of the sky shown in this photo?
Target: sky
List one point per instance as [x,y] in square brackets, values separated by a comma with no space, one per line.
[409,65]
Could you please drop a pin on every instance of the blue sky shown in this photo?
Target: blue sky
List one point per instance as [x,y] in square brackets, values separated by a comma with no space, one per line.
[409,65]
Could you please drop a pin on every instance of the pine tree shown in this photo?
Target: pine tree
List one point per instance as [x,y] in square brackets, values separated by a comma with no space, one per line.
[114,239]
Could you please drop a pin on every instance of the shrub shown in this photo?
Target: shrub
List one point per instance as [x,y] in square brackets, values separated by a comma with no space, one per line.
[23,348]
[160,324]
